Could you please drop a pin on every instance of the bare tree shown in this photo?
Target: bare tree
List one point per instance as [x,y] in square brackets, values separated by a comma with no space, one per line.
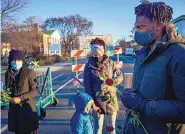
[10,8]
[22,40]
[128,44]
[27,25]
[132,33]
[69,27]
[122,43]
[24,37]
[30,21]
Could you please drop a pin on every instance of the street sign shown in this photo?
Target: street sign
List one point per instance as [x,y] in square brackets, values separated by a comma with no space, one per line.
[77,53]
[118,50]
[119,64]
[78,67]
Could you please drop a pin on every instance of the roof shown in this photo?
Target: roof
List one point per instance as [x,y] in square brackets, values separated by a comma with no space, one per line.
[182,17]
[49,32]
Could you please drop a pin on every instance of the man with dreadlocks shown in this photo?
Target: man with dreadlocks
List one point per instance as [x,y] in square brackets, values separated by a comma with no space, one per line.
[157,99]
[22,115]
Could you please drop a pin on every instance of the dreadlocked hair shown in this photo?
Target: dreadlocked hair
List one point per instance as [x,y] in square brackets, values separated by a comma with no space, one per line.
[156,11]
[173,34]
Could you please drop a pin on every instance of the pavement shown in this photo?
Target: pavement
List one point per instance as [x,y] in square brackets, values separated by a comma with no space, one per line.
[58,118]
[54,67]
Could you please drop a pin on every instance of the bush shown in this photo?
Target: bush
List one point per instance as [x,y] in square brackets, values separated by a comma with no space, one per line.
[40,57]
[50,61]
[63,55]
[42,62]
[57,58]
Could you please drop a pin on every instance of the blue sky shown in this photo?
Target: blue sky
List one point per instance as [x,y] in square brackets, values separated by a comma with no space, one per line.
[114,17]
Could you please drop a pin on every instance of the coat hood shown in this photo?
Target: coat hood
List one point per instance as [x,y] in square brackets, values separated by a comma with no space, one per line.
[81,101]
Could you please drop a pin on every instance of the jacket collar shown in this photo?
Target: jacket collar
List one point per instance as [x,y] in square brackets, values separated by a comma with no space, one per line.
[145,53]
[92,64]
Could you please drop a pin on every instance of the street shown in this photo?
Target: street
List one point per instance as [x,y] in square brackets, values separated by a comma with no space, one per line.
[58,118]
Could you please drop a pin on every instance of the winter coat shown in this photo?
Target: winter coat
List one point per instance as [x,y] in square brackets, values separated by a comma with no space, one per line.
[92,83]
[159,77]
[22,118]
[81,122]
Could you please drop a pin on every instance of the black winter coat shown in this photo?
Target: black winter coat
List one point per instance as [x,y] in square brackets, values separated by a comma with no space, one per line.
[22,119]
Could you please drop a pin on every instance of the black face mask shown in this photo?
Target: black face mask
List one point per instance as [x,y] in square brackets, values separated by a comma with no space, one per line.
[95,59]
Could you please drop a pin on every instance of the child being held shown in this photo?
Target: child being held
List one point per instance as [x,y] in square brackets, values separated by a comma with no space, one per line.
[81,121]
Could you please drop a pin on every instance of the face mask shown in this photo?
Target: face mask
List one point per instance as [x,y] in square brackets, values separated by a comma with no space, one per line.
[143,38]
[16,65]
[97,50]
[96,47]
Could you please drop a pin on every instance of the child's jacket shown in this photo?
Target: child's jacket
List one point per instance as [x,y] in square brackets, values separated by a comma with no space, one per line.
[81,122]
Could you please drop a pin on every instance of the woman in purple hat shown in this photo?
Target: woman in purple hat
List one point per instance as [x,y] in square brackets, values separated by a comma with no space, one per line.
[22,83]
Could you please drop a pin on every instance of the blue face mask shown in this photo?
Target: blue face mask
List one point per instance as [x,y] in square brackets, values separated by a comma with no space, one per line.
[143,38]
[16,65]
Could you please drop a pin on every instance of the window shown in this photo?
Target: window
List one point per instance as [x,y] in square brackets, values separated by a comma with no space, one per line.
[57,52]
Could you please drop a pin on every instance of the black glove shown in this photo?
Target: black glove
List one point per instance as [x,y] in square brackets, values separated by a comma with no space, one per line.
[133,100]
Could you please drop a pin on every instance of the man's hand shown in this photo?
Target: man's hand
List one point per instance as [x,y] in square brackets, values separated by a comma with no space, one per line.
[133,100]
[16,100]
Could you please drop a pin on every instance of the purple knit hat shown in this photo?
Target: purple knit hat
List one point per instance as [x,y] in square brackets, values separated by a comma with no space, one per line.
[15,55]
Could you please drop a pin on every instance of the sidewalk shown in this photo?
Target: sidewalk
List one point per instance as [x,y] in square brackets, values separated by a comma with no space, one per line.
[54,67]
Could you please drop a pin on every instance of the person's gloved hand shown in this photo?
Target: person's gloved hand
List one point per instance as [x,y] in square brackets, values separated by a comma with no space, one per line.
[133,100]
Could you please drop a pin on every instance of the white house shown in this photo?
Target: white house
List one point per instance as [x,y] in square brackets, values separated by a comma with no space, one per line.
[53,41]
[180,24]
